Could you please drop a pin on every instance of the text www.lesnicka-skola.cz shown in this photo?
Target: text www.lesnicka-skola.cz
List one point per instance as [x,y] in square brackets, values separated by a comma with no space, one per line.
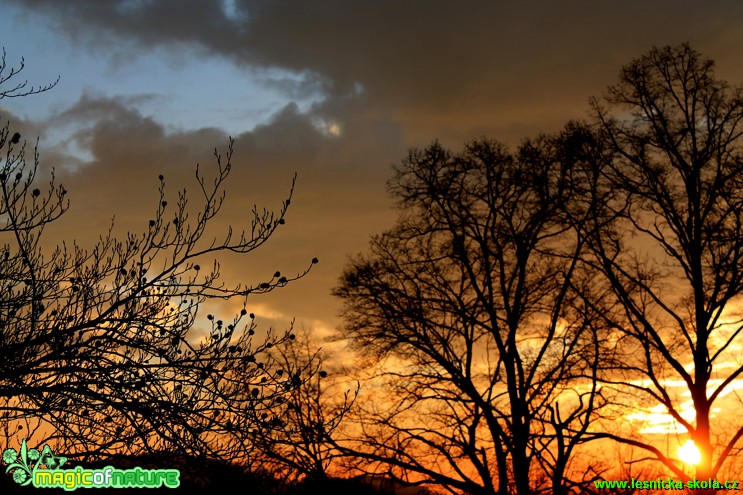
[669,484]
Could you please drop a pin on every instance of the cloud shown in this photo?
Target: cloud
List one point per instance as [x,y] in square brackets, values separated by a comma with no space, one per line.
[339,197]
[385,76]
[436,66]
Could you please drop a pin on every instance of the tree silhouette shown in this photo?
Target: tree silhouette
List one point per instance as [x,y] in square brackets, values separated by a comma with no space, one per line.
[105,350]
[301,443]
[473,295]
[8,72]
[666,234]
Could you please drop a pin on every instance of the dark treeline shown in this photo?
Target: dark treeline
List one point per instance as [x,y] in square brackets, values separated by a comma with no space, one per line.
[212,476]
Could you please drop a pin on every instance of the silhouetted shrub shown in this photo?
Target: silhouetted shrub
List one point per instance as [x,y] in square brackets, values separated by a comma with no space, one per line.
[336,486]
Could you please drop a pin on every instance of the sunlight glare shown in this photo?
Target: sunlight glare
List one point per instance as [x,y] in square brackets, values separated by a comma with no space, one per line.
[328,128]
[689,453]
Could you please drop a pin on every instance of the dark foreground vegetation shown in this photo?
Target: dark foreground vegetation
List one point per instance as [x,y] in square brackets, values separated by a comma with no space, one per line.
[209,476]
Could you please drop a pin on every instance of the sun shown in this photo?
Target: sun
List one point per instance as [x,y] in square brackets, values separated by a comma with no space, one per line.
[689,453]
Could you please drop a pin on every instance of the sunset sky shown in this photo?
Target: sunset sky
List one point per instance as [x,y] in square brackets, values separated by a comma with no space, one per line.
[335,91]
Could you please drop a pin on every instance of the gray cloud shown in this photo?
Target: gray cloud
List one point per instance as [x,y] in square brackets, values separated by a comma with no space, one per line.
[490,66]
[391,75]
[338,201]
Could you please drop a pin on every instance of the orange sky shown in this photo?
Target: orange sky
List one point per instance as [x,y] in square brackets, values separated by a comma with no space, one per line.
[334,91]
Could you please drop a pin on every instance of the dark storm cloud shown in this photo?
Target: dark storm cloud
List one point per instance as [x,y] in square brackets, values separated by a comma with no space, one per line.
[437,67]
[338,200]
[389,75]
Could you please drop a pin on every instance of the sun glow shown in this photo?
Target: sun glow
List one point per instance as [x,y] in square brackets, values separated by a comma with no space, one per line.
[689,453]
[328,128]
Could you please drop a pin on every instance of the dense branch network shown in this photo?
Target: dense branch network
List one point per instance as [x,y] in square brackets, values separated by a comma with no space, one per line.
[104,344]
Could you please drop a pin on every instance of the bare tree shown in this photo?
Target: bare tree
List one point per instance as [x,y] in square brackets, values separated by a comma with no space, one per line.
[15,90]
[472,298]
[667,235]
[104,349]
[301,442]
